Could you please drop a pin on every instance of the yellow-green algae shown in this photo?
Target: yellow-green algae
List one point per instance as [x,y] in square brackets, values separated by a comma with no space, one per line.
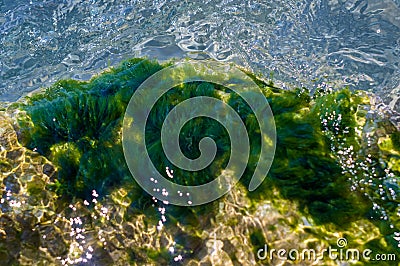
[318,188]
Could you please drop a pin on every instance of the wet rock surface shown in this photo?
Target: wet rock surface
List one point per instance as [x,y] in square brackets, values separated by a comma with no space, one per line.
[39,229]
[355,164]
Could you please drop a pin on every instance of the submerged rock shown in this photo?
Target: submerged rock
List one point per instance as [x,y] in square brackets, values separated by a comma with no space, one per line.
[26,200]
[68,197]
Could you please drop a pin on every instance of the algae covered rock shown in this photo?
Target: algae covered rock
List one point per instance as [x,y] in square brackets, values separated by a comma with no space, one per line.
[78,126]
[336,163]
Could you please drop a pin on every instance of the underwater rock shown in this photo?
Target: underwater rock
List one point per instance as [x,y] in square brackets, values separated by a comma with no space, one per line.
[335,174]
[77,125]
[26,200]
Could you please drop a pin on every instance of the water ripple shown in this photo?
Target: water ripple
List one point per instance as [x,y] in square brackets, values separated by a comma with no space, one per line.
[319,43]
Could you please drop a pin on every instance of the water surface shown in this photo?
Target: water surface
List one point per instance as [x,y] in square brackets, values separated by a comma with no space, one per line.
[303,43]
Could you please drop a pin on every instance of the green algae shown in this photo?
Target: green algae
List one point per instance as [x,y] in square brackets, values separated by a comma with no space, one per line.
[396,140]
[190,135]
[278,220]
[304,167]
[77,125]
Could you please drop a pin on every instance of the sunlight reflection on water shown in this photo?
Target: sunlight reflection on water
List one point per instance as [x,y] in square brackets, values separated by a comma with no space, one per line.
[304,43]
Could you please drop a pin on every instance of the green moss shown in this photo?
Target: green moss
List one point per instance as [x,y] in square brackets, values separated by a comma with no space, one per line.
[190,135]
[257,240]
[304,167]
[78,126]
[396,140]
[162,256]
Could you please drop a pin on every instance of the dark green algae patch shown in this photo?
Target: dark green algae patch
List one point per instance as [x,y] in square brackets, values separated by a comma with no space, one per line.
[322,160]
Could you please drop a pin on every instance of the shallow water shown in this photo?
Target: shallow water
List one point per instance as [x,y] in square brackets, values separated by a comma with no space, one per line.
[296,43]
[333,179]
[303,43]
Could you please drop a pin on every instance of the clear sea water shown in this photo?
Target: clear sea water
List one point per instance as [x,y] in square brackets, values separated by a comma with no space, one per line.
[319,43]
[315,44]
